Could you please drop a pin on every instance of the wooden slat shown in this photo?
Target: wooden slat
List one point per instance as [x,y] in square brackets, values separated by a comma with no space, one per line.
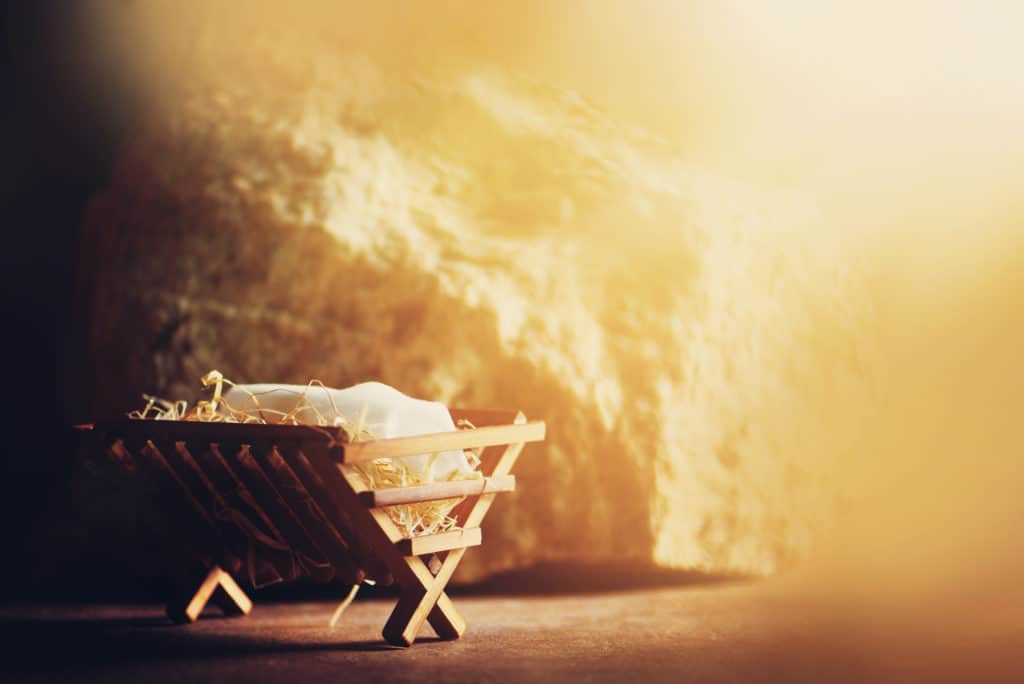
[122,481]
[435,491]
[309,513]
[251,473]
[443,541]
[267,539]
[223,433]
[173,499]
[379,534]
[360,452]
[259,569]
[366,560]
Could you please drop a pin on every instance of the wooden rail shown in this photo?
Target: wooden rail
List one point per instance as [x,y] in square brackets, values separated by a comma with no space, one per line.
[443,541]
[435,491]
[361,452]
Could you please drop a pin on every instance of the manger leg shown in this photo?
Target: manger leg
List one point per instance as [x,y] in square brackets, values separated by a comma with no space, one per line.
[446,620]
[230,597]
[187,608]
[413,609]
[426,599]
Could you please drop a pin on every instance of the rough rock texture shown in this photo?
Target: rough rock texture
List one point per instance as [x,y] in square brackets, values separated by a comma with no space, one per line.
[485,241]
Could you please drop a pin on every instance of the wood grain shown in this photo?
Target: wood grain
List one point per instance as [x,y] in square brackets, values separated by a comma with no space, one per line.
[495,435]
[442,541]
[435,491]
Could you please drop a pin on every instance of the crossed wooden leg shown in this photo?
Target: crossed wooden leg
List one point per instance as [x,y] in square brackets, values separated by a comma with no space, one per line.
[423,596]
[217,586]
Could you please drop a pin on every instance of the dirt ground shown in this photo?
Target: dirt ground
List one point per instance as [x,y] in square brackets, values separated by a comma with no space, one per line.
[740,632]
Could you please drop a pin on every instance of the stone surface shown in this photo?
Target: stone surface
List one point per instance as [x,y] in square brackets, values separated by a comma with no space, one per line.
[478,239]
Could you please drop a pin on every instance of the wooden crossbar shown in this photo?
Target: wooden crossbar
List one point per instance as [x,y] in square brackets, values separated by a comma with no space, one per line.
[496,435]
[442,541]
[435,491]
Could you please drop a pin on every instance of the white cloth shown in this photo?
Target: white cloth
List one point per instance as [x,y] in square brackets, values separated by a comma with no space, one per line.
[388,413]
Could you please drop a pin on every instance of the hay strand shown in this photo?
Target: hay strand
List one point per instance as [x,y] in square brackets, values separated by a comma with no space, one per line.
[423,518]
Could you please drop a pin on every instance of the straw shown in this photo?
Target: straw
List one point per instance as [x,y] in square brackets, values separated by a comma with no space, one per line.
[343,605]
[417,519]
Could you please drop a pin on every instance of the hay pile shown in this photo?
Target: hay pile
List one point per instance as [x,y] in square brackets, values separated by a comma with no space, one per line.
[417,519]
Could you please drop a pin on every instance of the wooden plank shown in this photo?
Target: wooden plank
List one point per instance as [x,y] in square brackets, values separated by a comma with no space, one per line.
[309,513]
[366,560]
[360,452]
[192,431]
[442,541]
[173,498]
[435,491]
[328,437]
[378,533]
[122,481]
[131,480]
[259,568]
[241,503]
[308,558]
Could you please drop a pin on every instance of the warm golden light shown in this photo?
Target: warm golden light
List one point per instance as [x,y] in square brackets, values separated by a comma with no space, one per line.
[771,248]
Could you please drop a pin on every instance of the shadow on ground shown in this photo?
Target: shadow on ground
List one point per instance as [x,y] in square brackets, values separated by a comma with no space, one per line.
[59,644]
[93,638]
[562,578]
[543,579]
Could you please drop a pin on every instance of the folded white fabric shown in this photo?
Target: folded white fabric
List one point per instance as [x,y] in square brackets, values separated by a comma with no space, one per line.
[384,410]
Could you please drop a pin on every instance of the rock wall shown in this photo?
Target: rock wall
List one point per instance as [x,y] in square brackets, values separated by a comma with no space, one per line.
[472,237]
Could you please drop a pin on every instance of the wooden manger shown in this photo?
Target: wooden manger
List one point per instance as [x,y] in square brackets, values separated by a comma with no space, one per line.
[262,504]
